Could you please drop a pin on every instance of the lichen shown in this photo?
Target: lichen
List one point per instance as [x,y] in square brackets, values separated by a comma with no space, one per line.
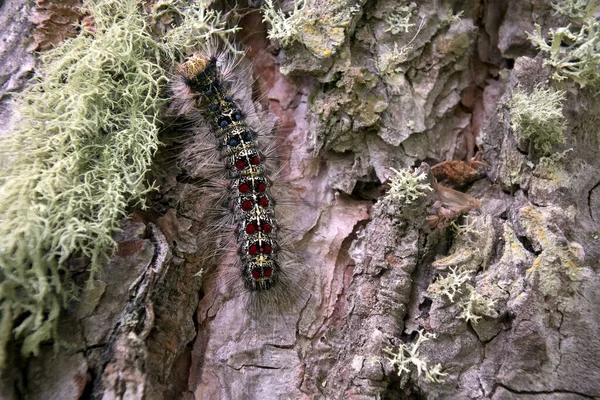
[450,285]
[389,61]
[354,104]
[407,186]
[399,20]
[538,117]
[474,306]
[574,9]
[467,228]
[408,354]
[573,55]
[198,26]
[284,29]
[558,264]
[86,130]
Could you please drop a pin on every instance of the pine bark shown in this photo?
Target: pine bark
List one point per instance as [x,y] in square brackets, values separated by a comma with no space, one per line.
[153,327]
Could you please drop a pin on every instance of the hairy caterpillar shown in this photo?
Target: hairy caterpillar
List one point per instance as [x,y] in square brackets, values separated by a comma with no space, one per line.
[231,146]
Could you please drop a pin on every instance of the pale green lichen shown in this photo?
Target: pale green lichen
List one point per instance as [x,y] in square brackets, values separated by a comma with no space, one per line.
[474,306]
[452,18]
[407,186]
[538,117]
[399,20]
[408,354]
[389,60]
[574,9]
[450,285]
[573,55]
[198,26]
[284,29]
[464,229]
[86,130]
[558,256]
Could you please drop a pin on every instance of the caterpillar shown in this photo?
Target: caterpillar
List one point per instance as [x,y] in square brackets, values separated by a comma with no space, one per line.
[233,154]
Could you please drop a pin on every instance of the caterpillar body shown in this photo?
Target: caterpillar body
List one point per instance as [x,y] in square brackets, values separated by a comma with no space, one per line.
[229,147]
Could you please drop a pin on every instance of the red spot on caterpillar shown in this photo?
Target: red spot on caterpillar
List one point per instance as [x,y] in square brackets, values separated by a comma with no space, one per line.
[268,272]
[262,187]
[267,228]
[240,164]
[255,160]
[244,188]
[247,205]
[255,273]
[250,229]
[253,250]
[264,202]
[267,249]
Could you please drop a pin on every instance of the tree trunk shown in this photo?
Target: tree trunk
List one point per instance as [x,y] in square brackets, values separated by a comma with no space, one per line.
[354,95]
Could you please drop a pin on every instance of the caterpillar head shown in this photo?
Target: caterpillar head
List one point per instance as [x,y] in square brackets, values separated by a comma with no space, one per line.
[194,66]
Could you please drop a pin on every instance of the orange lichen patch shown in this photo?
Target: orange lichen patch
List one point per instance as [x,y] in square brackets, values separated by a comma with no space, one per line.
[55,21]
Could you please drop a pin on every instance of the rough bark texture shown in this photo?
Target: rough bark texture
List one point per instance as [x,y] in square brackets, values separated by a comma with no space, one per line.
[152,328]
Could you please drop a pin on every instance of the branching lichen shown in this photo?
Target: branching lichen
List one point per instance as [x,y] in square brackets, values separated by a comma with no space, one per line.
[399,20]
[574,9]
[284,29]
[199,25]
[408,186]
[538,117]
[464,229]
[388,61]
[86,132]
[475,306]
[408,354]
[450,285]
[574,55]
[452,18]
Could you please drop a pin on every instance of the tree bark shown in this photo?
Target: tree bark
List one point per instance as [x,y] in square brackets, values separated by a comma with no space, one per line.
[162,323]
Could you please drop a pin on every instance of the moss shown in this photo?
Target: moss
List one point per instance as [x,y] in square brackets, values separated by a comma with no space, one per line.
[87,129]
[538,117]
